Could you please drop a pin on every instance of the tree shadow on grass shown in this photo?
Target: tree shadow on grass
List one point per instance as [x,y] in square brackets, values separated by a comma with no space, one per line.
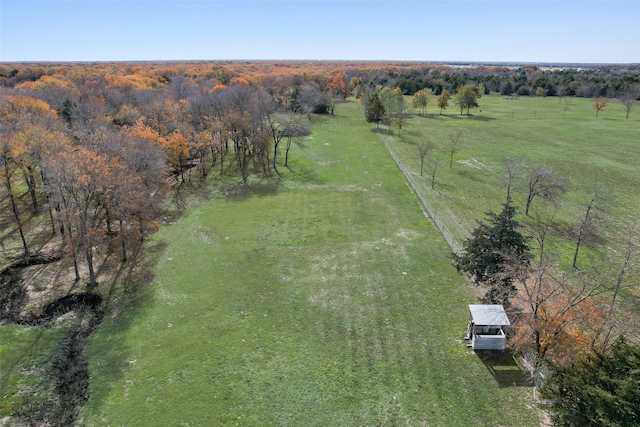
[241,191]
[260,187]
[569,231]
[409,141]
[504,367]
[15,363]
[130,290]
[304,175]
[383,131]
[405,134]
[470,117]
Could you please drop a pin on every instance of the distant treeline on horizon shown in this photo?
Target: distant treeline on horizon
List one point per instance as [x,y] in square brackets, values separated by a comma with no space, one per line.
[541,79]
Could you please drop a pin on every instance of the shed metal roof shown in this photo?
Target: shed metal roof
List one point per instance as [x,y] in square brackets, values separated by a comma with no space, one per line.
[488,315]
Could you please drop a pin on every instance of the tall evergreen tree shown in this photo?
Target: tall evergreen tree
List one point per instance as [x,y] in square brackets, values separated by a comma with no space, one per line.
[492,247]
[602,390]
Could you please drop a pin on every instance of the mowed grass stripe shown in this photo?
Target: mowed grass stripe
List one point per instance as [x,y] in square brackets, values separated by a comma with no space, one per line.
[328,300]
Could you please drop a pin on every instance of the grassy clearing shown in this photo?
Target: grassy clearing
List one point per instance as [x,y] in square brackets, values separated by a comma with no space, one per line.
[23,351]
[581,149]
[328,299]
[563,136]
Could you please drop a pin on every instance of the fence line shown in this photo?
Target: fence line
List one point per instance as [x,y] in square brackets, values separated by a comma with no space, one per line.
[424,204]
[537,369]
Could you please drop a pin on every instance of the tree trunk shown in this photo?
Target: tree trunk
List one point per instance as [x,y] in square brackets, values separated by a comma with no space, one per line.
[14,208]
[528,205]
[203,167]
[92,274]
[583,226]
[123,243]
[73,251]
[575,255]
[275,154]
[67,237]
[244,160]
[286,154]
[214,157]
[31,184]
[51,218]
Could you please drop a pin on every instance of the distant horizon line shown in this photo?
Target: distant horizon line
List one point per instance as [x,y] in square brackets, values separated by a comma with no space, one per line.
[417,61]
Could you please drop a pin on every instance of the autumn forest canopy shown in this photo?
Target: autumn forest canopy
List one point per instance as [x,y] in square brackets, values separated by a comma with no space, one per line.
[96,157]
[78,132]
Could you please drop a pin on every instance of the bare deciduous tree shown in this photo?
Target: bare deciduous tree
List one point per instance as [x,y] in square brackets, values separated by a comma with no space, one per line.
[308,99]
[560,92]
[629,263]
[454,140]
[542,183]
[294,131]
[433,167]
[423,150]
[559,316]
[628,98]
[589,218]
[512,166]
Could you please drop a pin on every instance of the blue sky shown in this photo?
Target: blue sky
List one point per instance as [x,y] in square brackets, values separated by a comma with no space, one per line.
[455,30]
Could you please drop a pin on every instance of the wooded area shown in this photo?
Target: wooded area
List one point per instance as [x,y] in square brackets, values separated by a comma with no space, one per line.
[90,152]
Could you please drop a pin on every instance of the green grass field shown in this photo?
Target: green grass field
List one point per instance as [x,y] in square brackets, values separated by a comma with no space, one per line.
[23,350]
[564,136]
[325,299]
[579,148]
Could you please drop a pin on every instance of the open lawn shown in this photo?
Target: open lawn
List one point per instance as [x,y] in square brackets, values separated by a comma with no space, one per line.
[578,147]
[564,136]
[23,350]
[327,298]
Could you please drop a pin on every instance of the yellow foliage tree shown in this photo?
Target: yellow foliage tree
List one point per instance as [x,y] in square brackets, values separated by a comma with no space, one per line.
[599,104]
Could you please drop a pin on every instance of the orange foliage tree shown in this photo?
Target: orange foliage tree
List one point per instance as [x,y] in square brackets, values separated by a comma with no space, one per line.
[558,313]
[338,87]
[27,126]
[559,318]
[91,191]
[174,145]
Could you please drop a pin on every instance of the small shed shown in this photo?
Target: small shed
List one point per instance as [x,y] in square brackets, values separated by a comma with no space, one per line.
[485,327]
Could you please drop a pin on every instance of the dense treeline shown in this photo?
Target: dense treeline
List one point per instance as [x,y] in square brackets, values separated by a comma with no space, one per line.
[278,78]
[88,151]
[87,157]
[528,80]
[93,144]
[96,145]
[96,151]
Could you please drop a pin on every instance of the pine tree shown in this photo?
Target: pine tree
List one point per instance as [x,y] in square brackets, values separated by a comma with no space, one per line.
[602,390]
[491,248]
